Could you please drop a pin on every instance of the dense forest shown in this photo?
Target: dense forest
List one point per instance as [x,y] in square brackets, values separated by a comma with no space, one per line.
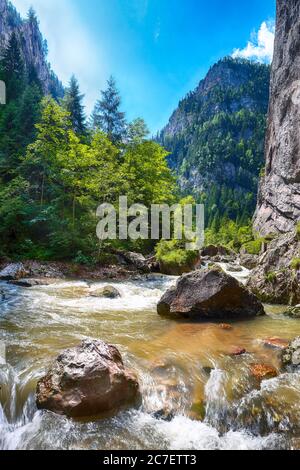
[56,167]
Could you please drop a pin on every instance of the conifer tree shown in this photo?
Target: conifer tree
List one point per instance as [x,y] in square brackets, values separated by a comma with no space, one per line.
[72,103]
[12,66]
[107,115]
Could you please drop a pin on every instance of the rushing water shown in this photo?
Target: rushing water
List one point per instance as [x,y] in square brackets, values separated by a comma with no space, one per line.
[184,368]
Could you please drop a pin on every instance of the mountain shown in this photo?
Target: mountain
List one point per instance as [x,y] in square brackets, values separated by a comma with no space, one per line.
[279,197]
[33,46]
[216,138]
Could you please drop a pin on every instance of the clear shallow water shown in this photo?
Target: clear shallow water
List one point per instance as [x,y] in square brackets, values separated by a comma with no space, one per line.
[179,365]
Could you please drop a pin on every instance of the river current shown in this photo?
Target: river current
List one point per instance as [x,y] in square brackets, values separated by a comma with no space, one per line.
[186,371]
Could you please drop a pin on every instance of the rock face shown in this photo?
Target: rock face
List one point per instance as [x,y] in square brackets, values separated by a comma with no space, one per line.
[88,380]
[275,280]
[279,197]
[291,355]
[209,294]
[13,272]
[32,44]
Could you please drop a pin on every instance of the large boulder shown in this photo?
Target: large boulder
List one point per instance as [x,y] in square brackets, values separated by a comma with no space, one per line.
[88,380]
[136,260]
[13,271]
[209,294]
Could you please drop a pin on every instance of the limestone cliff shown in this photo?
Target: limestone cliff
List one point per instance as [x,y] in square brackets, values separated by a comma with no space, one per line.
[276,279]
[33,46]
[279,196]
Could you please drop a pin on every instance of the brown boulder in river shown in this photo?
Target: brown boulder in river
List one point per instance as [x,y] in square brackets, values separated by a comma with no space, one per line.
[209,294]
[88,380]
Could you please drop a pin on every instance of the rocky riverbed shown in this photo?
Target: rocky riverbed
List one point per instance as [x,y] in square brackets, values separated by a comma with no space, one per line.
[204,385]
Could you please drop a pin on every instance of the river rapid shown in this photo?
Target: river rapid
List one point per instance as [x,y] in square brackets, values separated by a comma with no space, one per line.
[185,369]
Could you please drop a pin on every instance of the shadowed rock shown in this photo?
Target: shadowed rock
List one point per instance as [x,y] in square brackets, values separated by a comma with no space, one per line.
[209,294]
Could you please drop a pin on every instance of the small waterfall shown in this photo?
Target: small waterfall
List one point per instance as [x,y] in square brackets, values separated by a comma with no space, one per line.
[15,414]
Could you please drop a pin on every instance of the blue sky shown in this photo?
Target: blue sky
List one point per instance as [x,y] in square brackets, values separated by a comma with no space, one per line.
[158,50]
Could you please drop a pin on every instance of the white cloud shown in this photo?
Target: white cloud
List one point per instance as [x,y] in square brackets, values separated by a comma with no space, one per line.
[71,47]
[261,45]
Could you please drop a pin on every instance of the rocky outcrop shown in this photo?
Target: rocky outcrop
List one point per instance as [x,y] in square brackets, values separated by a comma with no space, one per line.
[137,260]
[291,355]
[88,380]
[32,44]
[13,271]
[209,294]
[279,197]
[276,279]
[248,261]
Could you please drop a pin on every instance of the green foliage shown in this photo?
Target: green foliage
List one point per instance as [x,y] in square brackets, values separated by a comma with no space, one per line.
[72,103]
[49,202]
[271,277]
[228,233]
[173,255]
[295,264]
[107,116]
[254,247]
[216,139]
[298,230]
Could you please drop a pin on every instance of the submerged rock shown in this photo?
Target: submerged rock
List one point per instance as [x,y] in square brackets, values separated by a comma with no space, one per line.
[234,268]
[108,292]
[86,381]
[263,372]
[275,343]
[13,271]
[238,351]
[209,294]
[291,355]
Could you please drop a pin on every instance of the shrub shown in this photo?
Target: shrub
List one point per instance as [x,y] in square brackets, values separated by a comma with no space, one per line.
[254,247]
[173,255]
[271,277]
[83,259]
[295,264]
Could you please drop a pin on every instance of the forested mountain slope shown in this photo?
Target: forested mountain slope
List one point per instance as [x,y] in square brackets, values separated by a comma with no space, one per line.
[216,138]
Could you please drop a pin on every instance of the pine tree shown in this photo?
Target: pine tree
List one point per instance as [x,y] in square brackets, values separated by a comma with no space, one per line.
[137,131]
[12,68]
[31,16]
[72,103]
[107,115]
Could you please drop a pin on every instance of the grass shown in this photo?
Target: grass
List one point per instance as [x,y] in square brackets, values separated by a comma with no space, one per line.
[271,277]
